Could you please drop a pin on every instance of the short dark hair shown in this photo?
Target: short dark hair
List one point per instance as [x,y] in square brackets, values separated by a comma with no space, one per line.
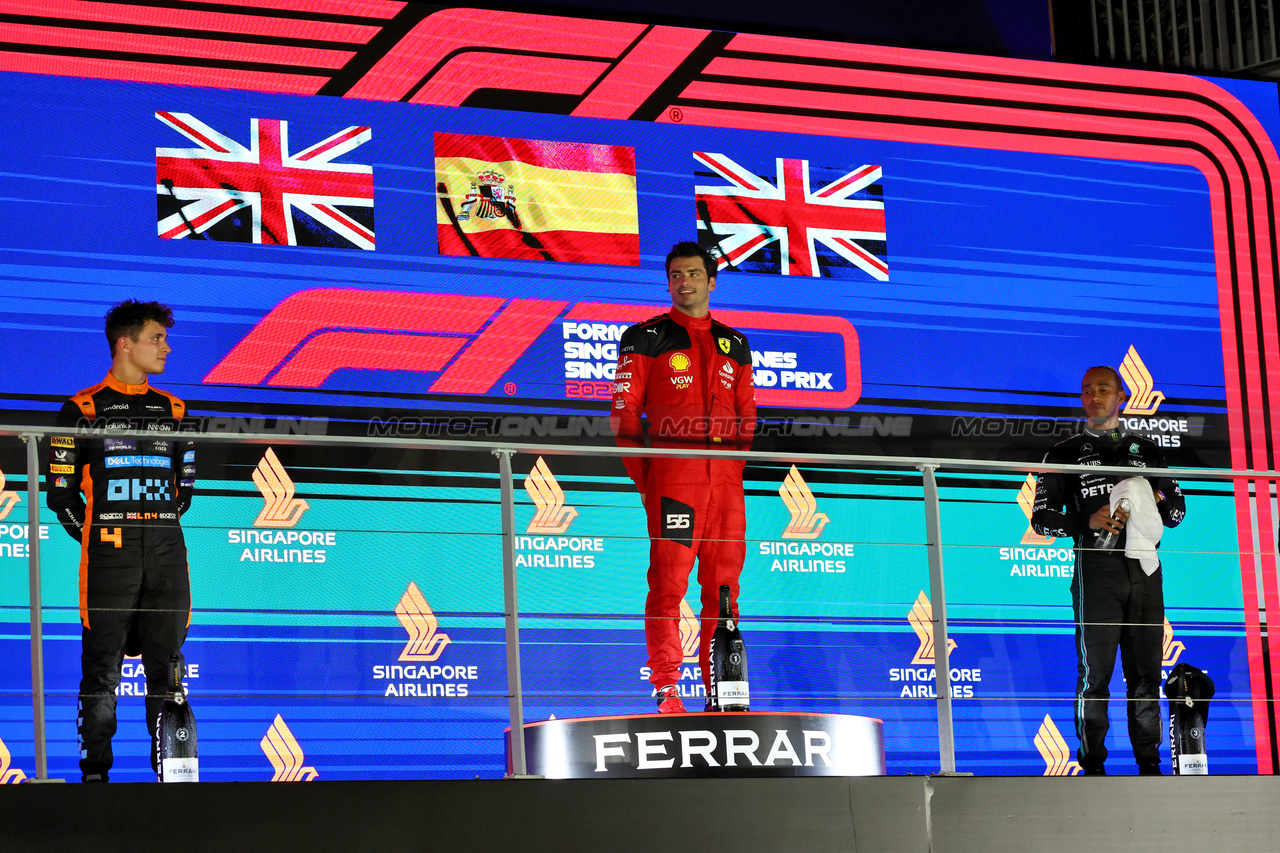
[689,249]
[1114,372]
[130,317]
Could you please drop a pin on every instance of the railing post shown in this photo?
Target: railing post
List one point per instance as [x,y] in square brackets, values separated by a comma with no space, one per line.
[519,765]
[37,619]
[938,599]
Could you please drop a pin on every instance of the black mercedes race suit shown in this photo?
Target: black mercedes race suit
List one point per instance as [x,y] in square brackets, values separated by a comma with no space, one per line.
[121,499]
[1115,602]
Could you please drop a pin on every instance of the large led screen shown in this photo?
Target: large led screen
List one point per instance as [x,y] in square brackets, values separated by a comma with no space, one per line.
[924,250]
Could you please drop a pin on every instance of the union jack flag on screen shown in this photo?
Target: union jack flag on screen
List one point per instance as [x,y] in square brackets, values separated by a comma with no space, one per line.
[263,193]
[799,219]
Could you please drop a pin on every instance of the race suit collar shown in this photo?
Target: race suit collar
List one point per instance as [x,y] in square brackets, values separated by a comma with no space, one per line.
[124,388]
[1112,435]
[700,324]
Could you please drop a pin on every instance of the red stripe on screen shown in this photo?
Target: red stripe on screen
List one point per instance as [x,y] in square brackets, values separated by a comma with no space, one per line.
[236,51]
[186,19]
[156,72]
[351,8]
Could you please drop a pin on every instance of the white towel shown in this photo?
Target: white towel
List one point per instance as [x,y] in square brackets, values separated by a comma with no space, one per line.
[1145,527]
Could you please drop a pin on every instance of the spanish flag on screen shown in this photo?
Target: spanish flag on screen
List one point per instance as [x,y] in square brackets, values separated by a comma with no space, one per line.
[534,199]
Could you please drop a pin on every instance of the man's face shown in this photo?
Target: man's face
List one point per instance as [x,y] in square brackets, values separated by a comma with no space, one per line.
[149,351]
[1101,397]
[689,285]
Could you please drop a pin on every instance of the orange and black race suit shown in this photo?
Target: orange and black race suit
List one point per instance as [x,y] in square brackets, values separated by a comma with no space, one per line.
[691,380]
[121,499]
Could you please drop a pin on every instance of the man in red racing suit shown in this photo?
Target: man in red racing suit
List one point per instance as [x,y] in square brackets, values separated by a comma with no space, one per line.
[691,377]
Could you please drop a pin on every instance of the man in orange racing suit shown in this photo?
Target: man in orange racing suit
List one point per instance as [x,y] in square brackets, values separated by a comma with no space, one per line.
[121,498]
[691,377]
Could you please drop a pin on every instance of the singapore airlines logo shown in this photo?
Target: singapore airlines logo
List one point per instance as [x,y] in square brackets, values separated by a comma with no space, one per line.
[285,754]
[689,632]
[426,642]
[8,498]
[1054,750]
[921,619]
[1144,399]
[806,521]
[280,507]
[1173,649]
[1027,500]
[552,515]
[9,775]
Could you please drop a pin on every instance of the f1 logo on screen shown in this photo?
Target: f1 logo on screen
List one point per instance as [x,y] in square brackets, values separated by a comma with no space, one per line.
[471,340]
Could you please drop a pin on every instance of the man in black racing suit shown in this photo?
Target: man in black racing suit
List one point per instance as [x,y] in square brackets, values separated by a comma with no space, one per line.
[121,499]
[1116,602]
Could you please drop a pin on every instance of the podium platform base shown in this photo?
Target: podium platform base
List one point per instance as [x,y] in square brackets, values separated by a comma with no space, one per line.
[685,746]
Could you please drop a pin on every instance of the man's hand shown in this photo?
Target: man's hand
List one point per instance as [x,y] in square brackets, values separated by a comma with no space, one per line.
[1102,520]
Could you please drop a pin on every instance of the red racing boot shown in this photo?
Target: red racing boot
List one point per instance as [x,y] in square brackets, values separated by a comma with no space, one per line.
[669,700]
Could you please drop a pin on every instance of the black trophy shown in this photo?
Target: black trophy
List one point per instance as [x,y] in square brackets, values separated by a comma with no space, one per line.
[177,759]
[728,662]
[1188,690]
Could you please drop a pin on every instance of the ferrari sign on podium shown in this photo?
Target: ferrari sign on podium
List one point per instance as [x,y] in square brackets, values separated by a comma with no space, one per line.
[702,745]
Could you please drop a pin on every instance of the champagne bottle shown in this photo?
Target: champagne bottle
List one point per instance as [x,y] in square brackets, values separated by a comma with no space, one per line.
[728,662]
[176,731]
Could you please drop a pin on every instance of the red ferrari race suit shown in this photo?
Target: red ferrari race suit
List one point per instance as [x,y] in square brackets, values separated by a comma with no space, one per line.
[691,378]
[121,499]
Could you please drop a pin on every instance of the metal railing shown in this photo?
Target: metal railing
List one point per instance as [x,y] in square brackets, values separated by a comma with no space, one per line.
[504,451]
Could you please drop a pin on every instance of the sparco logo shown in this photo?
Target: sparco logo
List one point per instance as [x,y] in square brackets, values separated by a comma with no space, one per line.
[9,775]
[279,508]
[1054,750]
[552,516]
[426,642]
[285,754]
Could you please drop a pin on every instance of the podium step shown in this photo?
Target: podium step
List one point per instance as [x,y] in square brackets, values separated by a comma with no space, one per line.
[700,746]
